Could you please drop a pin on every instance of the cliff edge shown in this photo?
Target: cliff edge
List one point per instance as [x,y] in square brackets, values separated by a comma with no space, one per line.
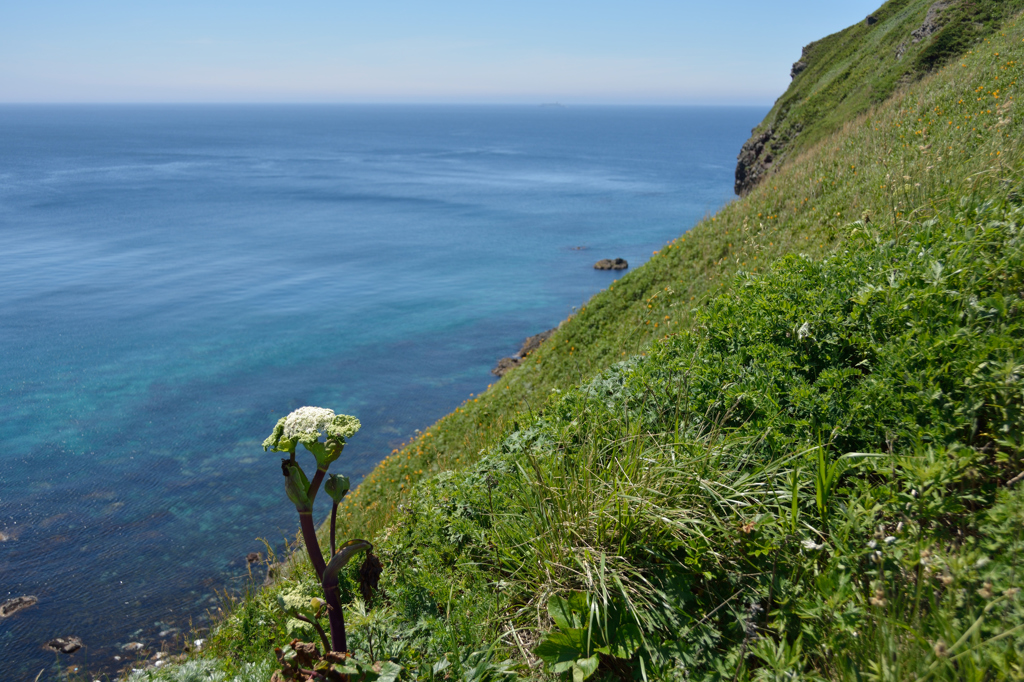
[840,76]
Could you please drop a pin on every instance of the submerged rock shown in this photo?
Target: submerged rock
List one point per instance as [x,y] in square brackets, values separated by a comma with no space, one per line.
[12,606]
[611,264]
[64,645]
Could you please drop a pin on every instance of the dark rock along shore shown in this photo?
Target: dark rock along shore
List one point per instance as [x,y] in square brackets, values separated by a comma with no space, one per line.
[531,344]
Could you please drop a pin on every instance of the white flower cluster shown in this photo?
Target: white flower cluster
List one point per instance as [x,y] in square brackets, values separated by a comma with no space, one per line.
[307,420]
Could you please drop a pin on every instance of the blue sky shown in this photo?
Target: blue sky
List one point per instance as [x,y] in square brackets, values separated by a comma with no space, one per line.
[443,51]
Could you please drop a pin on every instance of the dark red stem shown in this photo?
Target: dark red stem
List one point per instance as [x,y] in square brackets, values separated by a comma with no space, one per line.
[334,518]
[314,485]
[309,531]
[335,616]
[312,545]
[319,631]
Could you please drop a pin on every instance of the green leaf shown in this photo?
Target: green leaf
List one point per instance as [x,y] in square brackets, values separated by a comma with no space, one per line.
[559,647]
[441,666]
[346,669]
[561,612]
[584,668]
[559,668]
[389,671]
[626,640]
[568,612]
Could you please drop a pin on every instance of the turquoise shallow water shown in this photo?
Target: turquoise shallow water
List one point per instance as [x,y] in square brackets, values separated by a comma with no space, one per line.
[174,279]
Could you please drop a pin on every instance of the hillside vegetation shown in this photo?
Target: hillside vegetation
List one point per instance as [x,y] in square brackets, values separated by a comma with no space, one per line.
[839,77]
[787,447]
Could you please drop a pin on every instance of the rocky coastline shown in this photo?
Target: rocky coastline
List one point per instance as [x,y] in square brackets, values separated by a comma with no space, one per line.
[531,344]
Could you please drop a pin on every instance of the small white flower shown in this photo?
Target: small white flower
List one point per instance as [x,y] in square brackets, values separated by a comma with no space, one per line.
[810,545]
[872,544]
[804,331]
[307,420]
[889,540]
[306,425]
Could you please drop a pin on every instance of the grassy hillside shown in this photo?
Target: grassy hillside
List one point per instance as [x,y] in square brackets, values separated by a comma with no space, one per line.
[856,175]
[788,446]
[839,77]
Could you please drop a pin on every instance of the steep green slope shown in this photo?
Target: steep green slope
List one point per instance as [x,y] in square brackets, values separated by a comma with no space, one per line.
[696,499]
[812,483]
[819,479]
[840,76]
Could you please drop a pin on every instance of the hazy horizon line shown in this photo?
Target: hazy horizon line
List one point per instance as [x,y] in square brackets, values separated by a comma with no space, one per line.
[543,104]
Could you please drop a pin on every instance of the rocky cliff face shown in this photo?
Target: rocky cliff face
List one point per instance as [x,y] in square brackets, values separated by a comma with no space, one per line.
[752,163]
[759,152]
[843,75]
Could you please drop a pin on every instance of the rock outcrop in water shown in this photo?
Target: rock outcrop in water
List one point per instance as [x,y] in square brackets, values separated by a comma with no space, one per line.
[64,645]
[611,264]
[12,606]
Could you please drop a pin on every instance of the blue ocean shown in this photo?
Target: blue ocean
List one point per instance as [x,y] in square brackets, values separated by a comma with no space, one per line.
[173,279]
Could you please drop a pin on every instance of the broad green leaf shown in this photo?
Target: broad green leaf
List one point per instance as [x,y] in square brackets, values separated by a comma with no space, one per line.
[558,647]
[559,668]
[584,668]
[567,612]
[441,666]
[627,640]
[389,671]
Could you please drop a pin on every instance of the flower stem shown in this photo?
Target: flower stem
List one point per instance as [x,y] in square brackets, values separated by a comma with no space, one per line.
[329,582]
[334,518]
[312,545]
[319,631]
[314,485]
[336,617]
